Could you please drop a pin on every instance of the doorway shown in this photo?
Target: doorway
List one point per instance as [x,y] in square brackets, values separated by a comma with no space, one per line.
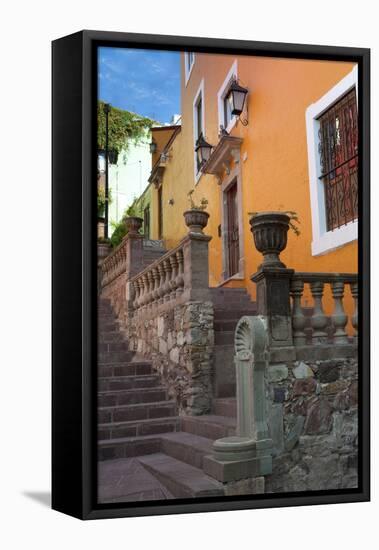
[232,230]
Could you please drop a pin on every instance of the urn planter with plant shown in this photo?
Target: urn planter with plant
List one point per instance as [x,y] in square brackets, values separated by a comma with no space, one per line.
[196,218]
[270,230]
[133,224]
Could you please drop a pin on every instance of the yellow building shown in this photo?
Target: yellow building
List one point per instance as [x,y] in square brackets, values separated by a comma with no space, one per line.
[293,148]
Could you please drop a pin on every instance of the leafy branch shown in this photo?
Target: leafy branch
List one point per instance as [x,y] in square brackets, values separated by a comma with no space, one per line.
[123,127]
[193,206]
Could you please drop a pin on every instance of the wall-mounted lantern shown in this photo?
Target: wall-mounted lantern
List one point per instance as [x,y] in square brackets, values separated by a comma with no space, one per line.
[112,156]
[236,97]
[203,150]
[153,147]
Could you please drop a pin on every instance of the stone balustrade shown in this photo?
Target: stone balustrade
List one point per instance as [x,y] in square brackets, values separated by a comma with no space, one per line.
[319,321]
[114,265]
[160,282]
[178,276]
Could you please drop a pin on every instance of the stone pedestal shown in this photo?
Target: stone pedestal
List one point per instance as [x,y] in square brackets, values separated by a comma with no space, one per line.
[273,302]
[236,458]
[196,270]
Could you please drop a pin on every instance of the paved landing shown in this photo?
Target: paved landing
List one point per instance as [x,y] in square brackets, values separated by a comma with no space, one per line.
[126,480]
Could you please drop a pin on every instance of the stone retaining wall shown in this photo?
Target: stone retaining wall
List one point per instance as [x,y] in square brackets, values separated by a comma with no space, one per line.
[179,341]
[116,293]
[313,420]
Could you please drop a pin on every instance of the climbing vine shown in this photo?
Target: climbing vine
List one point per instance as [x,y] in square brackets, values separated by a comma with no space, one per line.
[123,127]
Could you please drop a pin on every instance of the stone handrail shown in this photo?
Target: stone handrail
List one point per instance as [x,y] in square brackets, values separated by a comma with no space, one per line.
[161,281]
[319,320]
[114,264]
[179,275]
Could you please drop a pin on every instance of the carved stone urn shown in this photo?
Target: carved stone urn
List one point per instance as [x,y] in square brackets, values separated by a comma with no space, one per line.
[270,230]
[133,224]
[196,220]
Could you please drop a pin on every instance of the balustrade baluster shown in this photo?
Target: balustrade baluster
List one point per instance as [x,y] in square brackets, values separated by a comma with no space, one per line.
[141,291]
[166,287]
[179,277]
[318,320]
[162,276]
[354,318]
[145,287]
[298,317]
[174,272]
[136,294]
[339,317]
[155,294]
[151,283]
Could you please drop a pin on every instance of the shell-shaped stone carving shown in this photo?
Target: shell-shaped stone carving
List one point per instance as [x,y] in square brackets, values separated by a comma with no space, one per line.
[250,338]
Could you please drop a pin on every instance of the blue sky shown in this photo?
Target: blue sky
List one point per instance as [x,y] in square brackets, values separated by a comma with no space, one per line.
[146,82]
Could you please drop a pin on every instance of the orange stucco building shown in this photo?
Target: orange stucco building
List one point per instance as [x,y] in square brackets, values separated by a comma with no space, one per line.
[293,148]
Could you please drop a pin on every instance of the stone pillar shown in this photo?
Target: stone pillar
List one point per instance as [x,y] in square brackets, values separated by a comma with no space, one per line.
[133,242]
[273,302]
[273,281]
[248,454]
[103,250]
[196,269]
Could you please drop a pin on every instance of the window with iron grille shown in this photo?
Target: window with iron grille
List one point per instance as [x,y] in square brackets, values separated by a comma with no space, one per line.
[338,149]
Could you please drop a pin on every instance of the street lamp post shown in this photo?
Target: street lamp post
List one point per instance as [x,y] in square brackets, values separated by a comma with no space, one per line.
[107,109]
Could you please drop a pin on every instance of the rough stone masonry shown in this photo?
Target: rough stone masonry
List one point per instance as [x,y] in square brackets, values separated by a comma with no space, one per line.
[179,341]
[313,419]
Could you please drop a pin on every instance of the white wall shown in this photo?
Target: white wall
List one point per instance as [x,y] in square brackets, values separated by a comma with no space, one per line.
[27,29]
[128,178]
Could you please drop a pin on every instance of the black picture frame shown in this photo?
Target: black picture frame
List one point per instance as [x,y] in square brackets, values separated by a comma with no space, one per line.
[74,273]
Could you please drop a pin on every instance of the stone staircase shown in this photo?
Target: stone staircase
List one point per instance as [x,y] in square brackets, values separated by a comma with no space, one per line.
[230,304]
[139,430]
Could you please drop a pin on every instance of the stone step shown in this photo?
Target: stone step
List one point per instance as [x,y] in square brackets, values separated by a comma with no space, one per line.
[111,383]
[115,430]
[210,426]
[127,447]
[225,407]
[138,411]
[228,291]
[224,371]
[104,306]
[233,303]
[234,314]
[225,325]
[131,397]
[104,310]
[186,447]
[103,318]
[125,368]
[181,479]
[112,346]
[109,326]
[105,357]
[111,336]
[224,337]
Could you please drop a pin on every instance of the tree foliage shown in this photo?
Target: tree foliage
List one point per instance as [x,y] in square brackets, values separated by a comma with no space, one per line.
[119,228]
[101,199]
[123,127]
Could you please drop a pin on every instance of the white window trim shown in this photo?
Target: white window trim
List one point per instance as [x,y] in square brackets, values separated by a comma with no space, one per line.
[199,93]
[187,72]
[221,96]
[325,241]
